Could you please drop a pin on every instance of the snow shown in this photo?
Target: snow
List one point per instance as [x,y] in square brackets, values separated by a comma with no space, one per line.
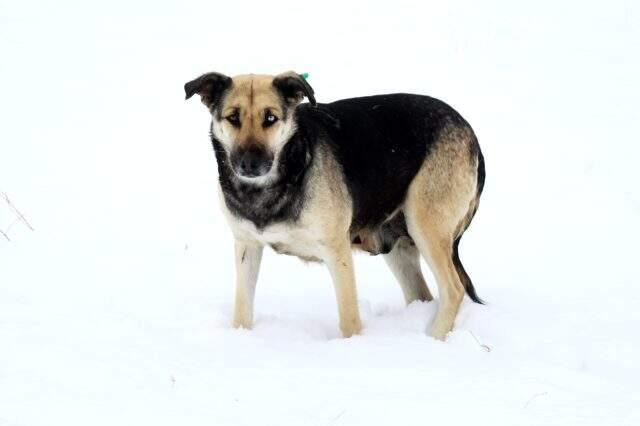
[116,308]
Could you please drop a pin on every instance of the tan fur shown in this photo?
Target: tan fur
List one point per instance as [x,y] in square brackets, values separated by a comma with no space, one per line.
[252,96]
[369,241]
[248,257]
[321,233]
[437,204]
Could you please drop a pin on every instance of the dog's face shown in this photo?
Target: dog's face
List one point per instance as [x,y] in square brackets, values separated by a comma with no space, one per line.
[252,117]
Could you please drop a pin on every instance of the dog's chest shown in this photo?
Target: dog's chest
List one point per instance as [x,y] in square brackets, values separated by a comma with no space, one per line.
[321,207]
[284,238]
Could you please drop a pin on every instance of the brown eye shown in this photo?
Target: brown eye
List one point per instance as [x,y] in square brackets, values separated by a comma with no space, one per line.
[269,119]
[234,119]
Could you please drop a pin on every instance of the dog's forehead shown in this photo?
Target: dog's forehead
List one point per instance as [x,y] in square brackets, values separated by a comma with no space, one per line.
[252,92]
[246,80]
[252,85]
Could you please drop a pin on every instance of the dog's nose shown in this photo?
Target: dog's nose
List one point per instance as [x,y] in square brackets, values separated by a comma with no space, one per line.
[252,162]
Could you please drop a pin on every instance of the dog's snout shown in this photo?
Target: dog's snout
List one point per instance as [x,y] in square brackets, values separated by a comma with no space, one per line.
[252,161]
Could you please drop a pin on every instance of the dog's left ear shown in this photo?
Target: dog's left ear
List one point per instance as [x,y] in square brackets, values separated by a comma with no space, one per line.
[209,86]
[294,87]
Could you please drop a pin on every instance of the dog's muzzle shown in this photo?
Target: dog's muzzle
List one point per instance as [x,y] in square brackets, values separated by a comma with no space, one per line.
[251,162]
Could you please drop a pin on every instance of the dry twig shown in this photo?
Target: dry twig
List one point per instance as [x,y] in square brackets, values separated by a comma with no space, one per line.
[19,217]
[483,346]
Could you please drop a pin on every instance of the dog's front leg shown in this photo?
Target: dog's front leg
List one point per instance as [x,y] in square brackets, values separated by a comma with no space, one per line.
[248,257]
[340,262]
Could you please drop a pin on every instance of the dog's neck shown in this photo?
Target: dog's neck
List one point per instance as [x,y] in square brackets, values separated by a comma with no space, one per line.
[278,200]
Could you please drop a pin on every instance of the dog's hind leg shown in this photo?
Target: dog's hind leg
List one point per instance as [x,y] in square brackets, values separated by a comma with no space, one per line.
[404,262]
[248,257]
[436,247]
[439,205]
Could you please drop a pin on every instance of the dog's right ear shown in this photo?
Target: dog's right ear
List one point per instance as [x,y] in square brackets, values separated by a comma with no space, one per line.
[209,86]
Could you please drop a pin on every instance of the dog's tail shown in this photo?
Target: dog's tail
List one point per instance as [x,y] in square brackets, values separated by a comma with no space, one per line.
[464,277]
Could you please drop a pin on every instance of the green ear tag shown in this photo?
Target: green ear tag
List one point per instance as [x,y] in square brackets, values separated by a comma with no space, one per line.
[305,75]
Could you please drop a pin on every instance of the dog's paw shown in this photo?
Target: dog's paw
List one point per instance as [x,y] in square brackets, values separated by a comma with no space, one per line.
[242,323]
[440,333]
[351,328]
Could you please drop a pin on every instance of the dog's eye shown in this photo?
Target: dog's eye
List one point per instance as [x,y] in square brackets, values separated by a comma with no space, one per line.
[269,119]
[234,119]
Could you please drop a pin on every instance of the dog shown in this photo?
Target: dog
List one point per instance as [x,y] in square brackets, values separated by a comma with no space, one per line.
[398,175]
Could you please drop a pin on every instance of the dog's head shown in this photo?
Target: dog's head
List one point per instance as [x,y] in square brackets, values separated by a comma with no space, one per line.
[252,117]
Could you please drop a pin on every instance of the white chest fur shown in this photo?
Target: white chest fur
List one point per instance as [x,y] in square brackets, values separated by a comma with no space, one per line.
[285,238]
[302,238]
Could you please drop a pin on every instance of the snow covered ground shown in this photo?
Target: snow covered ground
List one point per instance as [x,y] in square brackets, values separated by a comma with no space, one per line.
[116,308]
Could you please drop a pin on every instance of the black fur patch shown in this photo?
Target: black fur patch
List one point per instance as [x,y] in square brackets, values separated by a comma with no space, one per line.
[280,201]
[211,88]
[293,87]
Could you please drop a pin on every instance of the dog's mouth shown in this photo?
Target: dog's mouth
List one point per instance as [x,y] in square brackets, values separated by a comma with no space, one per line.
[253,171]
[263,178]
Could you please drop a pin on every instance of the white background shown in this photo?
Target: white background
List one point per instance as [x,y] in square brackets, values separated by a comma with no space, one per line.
[116,309]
